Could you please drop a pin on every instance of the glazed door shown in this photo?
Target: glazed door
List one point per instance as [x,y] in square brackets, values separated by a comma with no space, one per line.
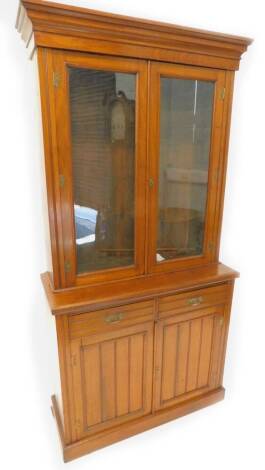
[100,108]
[185,136]
[188,355]
[112,377]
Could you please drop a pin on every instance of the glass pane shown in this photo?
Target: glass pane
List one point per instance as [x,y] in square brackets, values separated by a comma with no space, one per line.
[102,107]
[185,134]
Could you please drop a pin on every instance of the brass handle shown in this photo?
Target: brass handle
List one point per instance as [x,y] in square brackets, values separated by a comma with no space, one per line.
[195,301]
[115,318]
[151,183]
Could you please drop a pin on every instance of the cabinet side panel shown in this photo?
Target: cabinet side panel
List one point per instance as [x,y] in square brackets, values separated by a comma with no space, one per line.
[222,168]
[43,65]
[44,201]
[227,314]
[65,374]
[54,368]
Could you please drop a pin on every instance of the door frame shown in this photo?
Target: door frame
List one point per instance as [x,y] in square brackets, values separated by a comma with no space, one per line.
[61,165]
[214,191]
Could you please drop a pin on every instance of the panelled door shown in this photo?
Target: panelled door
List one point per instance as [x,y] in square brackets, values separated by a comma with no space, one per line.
[186,130]
[188,355]
[112,376]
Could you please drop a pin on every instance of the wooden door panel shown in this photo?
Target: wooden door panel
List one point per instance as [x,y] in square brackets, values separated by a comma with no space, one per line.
[123,376]
[195,328]
[182,358]
[188,355]
[169,360]
[136,359]
[91,363]
[107,378]
[112,377]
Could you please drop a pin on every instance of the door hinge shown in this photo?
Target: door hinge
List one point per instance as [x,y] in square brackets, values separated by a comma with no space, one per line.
[67,266]
[77,424]
[62,181]
[222,94]
[73,360]
[216,175]
[211,246]
[56,78]
[151,183]
[157,372]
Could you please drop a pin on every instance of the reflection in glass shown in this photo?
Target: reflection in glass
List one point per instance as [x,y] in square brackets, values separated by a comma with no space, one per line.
[102,108]
[185,134]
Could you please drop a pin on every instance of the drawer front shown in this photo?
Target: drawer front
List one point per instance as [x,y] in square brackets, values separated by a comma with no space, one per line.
[107,320]
[193,300]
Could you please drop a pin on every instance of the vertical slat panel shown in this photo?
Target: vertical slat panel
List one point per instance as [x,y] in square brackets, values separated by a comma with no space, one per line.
[215,359]
[205,353]
[108,380]
[182,359]
[112,376]
[136,348]
[78,392]
[92,384]
[194,353]
[122,376]
[169,361]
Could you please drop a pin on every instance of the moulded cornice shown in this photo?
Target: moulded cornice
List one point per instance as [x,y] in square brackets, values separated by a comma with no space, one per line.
[47,24]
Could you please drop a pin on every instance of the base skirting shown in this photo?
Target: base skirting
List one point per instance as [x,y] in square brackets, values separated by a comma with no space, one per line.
[104,438]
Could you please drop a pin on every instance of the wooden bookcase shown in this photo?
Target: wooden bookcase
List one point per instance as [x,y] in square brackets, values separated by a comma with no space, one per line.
[136,118]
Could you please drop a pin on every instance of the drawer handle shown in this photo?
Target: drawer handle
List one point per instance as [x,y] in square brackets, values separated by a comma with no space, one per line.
[195,301]
[115,318]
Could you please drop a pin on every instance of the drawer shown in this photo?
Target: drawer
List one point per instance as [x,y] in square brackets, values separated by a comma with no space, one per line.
[193,300]
[106,320]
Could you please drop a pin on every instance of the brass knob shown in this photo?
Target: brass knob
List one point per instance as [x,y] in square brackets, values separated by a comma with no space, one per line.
[151,183]
[115,318]
[195,301]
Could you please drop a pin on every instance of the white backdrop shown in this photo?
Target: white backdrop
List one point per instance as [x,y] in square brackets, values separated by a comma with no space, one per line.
[229,434]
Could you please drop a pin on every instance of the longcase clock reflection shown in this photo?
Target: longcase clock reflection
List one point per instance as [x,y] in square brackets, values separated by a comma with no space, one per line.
[103,149]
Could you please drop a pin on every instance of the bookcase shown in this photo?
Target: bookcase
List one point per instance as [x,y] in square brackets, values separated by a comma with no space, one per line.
[136,118]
